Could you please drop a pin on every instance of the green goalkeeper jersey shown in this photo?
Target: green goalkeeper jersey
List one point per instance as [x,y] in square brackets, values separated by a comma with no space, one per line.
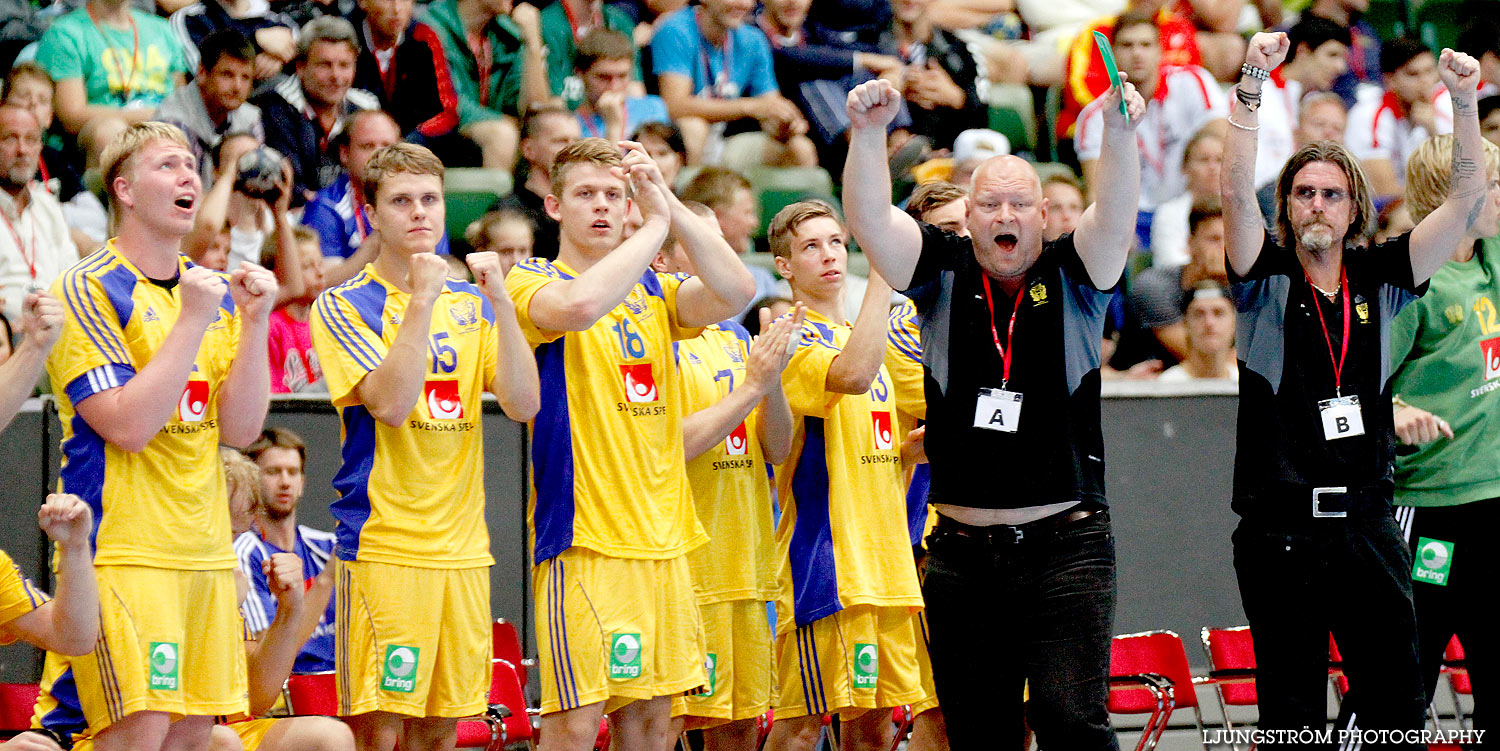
[1445,356]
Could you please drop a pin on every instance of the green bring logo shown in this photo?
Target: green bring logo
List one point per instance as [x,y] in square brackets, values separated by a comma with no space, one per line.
[625,656]
[400,670]
[1432,561]
[711,665]
[164,665]
[866,665]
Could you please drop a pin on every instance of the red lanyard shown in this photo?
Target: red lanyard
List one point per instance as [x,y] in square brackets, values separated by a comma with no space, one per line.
[135,52]
[483,61]
[580,31]
[30,258]
[1010,331]
[724,67]
[588,121]
[1338,367]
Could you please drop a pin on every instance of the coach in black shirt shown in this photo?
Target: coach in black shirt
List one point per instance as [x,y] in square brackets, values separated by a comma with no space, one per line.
[1020,582]
[1317,549]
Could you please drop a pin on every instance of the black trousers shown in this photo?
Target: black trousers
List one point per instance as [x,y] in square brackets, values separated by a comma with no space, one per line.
[1011,608]
[1458,605]
[1302,578]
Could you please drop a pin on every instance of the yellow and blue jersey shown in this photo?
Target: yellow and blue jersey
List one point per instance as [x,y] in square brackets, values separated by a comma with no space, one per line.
[166,505]
[903,359]
[607,460]
[57,705]
[731,487]
[410,495]
[18,596]
[842,539]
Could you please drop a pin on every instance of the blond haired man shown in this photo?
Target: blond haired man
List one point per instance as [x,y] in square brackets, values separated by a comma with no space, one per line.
[612,516]
[159,362]
[847,635]
[408,354]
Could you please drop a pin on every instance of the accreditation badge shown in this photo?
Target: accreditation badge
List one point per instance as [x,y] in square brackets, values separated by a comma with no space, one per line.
[998,409]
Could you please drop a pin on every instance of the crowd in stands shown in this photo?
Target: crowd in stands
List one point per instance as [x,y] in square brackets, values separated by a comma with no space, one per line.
[715,91]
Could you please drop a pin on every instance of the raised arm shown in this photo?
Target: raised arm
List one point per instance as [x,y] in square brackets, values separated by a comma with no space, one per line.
[769,356]
[1432,240]
[130,416]
[890,239]
[1244,228]
[270,662]
[391,390]
[289,281]
[69,624]
[41,322]
[576,304]
[1107,226]
[246,392]
[515,383]
[855,368]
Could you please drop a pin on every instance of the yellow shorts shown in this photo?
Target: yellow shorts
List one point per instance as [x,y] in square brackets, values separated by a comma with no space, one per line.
[615,629]
[737,635]
[860,658]
[169,641]
[252,732]
[414,641]
[924,671]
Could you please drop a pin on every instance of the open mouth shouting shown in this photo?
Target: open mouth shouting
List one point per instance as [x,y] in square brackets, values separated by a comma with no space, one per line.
[1006,242]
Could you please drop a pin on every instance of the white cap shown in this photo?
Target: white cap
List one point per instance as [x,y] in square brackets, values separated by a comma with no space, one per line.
[979,144]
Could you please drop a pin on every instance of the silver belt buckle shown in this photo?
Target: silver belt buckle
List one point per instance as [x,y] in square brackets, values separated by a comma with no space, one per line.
[1319,513]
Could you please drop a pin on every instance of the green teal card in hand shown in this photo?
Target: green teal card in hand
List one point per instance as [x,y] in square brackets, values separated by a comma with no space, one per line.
[1114,71]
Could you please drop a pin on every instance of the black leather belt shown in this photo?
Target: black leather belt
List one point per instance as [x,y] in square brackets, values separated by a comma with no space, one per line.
[1012,533]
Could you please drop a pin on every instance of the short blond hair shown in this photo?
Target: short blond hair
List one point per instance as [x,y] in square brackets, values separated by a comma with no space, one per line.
[784,225]
[399,159]
[303,235]
[595,151]
[240,472]
[120,153]
[1429,174]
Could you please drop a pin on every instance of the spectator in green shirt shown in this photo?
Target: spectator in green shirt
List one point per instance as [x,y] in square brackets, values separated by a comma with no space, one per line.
[112,61]
[495,55]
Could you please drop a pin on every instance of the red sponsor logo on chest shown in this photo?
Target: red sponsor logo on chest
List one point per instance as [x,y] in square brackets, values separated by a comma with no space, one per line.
[738,442]
[443,402]
[640,385]
[194,402]
[881,421]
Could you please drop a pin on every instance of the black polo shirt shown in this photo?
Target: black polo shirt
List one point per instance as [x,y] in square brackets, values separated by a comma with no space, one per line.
[1057,453]
[1286,370]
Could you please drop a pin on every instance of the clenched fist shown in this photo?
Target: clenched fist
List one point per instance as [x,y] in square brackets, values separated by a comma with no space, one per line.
[66,519]
[202,291]
[253,289]
[426,275]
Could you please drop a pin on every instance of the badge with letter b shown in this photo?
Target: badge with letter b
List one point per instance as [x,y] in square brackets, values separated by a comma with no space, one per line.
[998,409]
[1341,418]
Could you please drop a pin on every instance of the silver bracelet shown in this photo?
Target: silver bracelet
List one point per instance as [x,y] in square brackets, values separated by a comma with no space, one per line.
[1257,73]
[1242,127]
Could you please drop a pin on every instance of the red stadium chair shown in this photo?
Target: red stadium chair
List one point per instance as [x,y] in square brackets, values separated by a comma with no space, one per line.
[902,718]
[1458,679]
[1231,661]
[763,728]
[506,721]
[507,646]
[311,694]
[1336,670]
[17,701]
[1149,674]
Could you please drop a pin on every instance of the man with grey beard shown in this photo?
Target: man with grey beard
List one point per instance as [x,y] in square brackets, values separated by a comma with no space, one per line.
[35,246]
[1317,549]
